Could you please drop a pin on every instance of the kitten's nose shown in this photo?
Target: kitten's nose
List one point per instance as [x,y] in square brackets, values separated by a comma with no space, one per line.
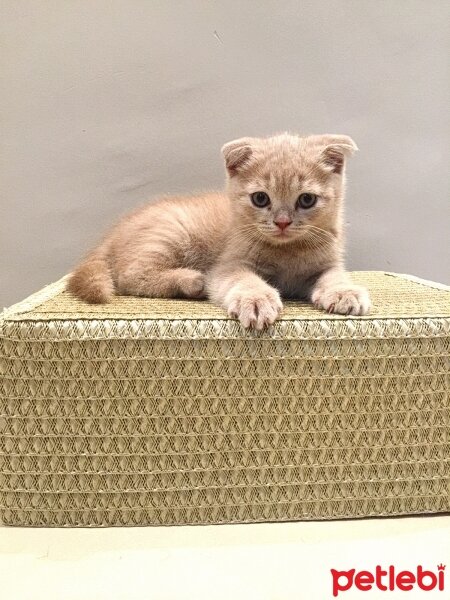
[282,223]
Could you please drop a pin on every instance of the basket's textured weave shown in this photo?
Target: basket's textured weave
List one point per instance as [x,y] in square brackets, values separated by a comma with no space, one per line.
[162,412]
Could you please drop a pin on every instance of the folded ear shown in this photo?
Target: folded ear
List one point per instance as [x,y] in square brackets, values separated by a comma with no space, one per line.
[334,150]
[237,154]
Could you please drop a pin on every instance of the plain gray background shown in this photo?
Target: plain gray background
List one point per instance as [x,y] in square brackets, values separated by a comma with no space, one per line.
[107,103]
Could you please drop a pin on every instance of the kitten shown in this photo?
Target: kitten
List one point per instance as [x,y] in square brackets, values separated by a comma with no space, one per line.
[276,232]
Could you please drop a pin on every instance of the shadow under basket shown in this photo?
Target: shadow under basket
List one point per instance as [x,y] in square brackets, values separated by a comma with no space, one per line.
[163,412]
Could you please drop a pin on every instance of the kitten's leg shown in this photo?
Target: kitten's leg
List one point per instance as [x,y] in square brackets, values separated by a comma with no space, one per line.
[163,283]
[245,296]
[334,292]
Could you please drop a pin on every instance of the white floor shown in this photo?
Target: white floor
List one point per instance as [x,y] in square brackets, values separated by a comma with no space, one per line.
[267,561]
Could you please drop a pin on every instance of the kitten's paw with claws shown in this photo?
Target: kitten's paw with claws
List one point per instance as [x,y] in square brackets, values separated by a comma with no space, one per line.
[343,300]
[255,310]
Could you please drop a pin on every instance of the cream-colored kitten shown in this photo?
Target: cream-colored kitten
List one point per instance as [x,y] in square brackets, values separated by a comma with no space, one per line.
[276,232]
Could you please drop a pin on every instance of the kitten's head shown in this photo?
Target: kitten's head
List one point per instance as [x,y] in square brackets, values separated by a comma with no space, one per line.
[286,188]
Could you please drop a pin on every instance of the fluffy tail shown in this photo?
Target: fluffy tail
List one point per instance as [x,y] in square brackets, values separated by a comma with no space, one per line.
[91,281]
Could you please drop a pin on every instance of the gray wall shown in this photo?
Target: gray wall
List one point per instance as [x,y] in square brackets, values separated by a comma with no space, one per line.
[107,103]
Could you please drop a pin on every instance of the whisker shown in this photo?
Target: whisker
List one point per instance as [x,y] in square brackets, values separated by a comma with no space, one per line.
[321,231]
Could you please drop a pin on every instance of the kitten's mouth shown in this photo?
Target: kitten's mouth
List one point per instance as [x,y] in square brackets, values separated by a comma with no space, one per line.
[279,236]
[283,235]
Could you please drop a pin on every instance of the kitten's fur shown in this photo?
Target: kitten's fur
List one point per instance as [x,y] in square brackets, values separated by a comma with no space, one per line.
[221,246]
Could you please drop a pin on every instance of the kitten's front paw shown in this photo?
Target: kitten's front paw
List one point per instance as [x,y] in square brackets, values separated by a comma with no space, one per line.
[343,300]
[255,309]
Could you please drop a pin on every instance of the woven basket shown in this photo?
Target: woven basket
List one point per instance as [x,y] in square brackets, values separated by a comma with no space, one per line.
[166,412]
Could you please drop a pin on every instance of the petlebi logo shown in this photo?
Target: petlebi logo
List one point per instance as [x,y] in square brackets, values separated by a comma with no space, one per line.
[389,579]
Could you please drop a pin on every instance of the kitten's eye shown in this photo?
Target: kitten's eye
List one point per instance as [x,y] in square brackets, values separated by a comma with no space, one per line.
[260,199]
[306,200]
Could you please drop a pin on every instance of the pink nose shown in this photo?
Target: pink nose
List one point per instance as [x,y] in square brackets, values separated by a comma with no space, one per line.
[282,223]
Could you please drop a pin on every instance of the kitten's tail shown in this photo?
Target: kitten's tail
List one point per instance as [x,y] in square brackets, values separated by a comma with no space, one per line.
[92,281]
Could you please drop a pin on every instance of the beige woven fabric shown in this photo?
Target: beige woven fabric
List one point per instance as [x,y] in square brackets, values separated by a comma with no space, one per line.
[163,412]
[392,296]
